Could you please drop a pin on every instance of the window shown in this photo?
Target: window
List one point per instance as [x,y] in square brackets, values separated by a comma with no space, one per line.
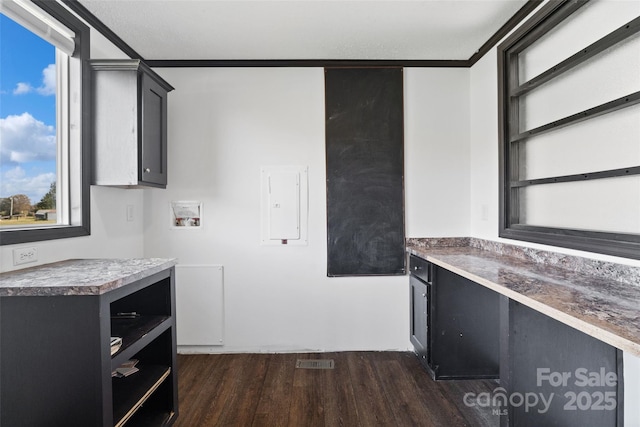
[569,95]
[44,123]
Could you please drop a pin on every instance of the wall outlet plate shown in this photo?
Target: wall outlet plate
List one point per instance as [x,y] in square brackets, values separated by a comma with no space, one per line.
[25,255]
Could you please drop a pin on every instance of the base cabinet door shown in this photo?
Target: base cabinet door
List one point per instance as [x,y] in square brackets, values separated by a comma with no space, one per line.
[465,328]
[418,321]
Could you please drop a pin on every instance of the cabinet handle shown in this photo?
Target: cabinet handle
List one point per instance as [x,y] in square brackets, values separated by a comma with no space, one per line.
[424,295]
[416,267]
[147,170]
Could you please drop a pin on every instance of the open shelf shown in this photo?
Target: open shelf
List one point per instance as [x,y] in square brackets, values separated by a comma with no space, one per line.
[132,331]
[131,392]
[144,321]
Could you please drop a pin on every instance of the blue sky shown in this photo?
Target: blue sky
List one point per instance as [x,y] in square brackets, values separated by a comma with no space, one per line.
[27,112]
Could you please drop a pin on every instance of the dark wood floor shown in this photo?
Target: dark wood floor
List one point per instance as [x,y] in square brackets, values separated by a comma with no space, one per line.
[364,389]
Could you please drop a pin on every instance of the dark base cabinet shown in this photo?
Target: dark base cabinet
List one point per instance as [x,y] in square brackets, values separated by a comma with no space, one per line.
[565,377]
[551,374]
[56,363]
[454,323]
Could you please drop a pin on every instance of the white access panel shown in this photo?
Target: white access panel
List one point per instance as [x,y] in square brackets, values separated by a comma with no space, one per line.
[199,305]
[284,205]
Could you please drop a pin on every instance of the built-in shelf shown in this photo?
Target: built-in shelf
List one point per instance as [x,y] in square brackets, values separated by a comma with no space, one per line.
[131,392]
[136,333]
[56,323]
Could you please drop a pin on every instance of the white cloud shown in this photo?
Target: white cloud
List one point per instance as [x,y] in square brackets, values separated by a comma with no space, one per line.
[48,81]
[16,181]
[47,88]
[15,173]
[22,88]
[26,139]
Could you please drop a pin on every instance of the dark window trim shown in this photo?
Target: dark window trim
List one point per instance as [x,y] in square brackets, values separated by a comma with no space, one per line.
[509,89]
[12,237]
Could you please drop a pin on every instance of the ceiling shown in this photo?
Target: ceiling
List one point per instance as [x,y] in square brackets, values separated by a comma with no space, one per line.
[304,29]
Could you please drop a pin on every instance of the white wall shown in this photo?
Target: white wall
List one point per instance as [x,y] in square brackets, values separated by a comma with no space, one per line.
[484,195]
[437,152]
[484,148]
[226,123]
[112,236]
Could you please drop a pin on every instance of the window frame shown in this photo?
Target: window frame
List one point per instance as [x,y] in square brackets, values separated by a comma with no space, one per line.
[509,89]
[81,227]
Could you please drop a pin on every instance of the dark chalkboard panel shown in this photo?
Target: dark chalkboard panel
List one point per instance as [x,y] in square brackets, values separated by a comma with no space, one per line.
[365,168]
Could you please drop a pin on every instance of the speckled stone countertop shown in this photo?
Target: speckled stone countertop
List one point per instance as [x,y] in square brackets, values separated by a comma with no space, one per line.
[80,276]
[598,298]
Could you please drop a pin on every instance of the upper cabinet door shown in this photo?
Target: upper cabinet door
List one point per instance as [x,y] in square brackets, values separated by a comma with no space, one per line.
[153,167]
[129,124]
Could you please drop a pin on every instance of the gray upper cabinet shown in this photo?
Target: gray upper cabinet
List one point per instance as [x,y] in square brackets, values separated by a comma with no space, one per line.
[129,124]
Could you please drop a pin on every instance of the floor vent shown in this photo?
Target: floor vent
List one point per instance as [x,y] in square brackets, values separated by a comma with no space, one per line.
[315,364]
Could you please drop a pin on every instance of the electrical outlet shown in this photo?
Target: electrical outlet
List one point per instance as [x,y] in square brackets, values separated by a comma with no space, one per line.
[25,255]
